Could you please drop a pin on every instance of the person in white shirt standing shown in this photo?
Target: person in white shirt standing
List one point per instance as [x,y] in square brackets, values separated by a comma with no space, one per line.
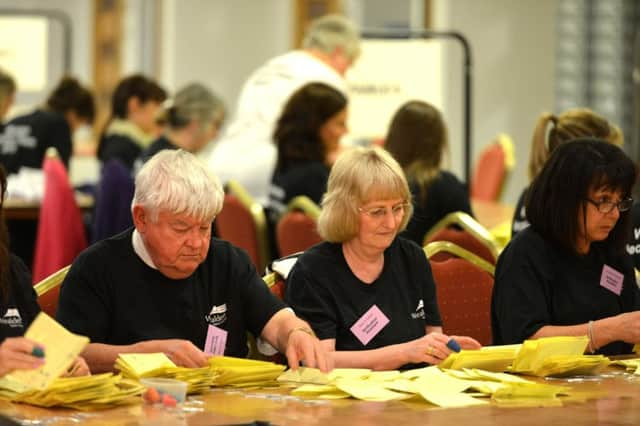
[246,152]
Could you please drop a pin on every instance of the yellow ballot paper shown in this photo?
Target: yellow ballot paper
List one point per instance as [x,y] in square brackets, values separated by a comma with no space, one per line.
[490,358]
[61,348]
[534,353]
[143,365]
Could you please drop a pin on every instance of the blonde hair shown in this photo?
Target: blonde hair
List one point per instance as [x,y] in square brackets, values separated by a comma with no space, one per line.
[358,176]
[331,32]
[178,182]
[551,131]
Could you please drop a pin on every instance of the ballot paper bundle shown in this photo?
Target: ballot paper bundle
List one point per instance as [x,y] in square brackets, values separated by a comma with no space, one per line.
[557,356]
[240,372]
[138,366]
[84,393]
[632,365]
[444,388]
[490,358]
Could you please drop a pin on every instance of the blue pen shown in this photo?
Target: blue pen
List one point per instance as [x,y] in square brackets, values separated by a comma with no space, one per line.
[453,345]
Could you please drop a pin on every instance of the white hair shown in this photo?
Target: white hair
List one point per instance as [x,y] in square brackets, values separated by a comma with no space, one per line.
[178,182]
[331,32]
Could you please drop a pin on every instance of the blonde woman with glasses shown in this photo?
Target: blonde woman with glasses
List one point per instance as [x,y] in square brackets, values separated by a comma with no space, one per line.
[368,294]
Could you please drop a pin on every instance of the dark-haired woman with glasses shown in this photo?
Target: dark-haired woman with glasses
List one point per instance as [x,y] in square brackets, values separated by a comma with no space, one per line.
[568,273]
[368,294]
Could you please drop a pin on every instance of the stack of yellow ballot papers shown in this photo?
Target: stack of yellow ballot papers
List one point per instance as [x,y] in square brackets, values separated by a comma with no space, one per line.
[61,348]
[558,356]
[490,358]
[84,393]
[240,372]
[632,365]
[444,388]
[138,366]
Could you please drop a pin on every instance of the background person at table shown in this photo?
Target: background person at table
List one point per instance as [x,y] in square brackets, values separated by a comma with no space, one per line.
[135,105]
[245,152]
[18,306]
[307,137]
[568,274]
[160,286]
[26,138]
[365,273]
[417,139]
[193,118]
[552,131]
[7,95]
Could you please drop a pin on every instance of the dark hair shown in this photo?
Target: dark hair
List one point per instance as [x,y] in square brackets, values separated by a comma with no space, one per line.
[70,95]
[297,133]
[417,139]
[4,241]
[135,86]
[559,192]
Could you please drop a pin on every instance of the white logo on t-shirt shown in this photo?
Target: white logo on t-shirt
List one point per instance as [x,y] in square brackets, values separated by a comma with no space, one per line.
[419,313]
[218,315]
[12,318]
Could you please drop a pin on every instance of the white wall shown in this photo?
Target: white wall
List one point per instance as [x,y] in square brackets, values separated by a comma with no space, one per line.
[513,54]
[219,42]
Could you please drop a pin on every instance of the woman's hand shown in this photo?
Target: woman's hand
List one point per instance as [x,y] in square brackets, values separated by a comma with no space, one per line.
[78,368]
[626,328]
[16,354]
[433,348]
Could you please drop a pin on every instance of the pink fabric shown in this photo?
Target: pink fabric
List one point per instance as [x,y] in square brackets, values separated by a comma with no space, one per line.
[61,235]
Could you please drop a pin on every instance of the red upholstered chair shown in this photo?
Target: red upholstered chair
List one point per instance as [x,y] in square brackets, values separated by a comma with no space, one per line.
[243,223]
[465,231]
[48,291]
[463,288]
[494,165]
[61,234]
[296,230]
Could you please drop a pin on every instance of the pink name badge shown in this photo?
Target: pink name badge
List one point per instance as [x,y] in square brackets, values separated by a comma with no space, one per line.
[369,325]
[216,341]
[611,279]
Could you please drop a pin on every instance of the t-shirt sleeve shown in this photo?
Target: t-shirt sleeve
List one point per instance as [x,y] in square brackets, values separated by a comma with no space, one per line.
[84,305]
[259,303]
[28,298]
[310,300]
[425,278]
[520,299]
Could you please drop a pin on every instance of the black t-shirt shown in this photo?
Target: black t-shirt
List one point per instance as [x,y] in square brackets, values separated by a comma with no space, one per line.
[305,178]
[21,307]
[445,194]
[113,297]
[633,246]
[322,290]
[519,215]
[538,284]
[25,140]
[119,147]
[156,146]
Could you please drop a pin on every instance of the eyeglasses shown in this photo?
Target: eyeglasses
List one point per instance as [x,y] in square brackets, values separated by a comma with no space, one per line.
[381,212]
[607,206]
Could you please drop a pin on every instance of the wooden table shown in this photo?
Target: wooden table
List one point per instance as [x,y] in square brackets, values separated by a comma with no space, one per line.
[17,209]
[611,401]
[491,214]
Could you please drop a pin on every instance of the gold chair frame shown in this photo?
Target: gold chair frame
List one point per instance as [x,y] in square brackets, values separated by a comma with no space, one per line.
[449,247]
[469,224]
[306,205]
[52,281]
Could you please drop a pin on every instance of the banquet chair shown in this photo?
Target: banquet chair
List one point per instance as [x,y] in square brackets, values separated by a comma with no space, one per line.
[48,291]
[463,230]
[296,230]
[243,223]
[492,169]
[463,287]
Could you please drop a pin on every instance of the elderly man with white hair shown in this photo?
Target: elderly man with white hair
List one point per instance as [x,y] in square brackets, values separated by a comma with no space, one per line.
[166,285]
